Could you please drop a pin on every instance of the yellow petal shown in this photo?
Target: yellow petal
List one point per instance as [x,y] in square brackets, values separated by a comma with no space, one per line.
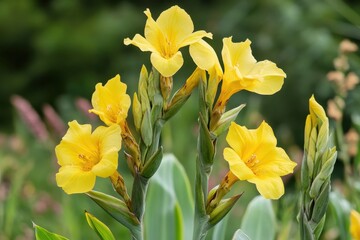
[275,163]
[154,34]
[176,24]
[140,42]
[109,138]
[77,140]
[270,188]
[237,55]
[237,165]
[205,57]
[167,67]
[195,37]
[107,166]
[355,225]
[74,180]
[241,139]
[264,78]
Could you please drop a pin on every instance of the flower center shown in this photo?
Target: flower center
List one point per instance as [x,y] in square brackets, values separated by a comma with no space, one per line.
[87,162]
[252,162]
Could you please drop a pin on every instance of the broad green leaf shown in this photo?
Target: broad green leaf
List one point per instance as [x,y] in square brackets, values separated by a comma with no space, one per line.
[169,205]
[340,209]
[259,220]
[240,235]
[43,234]
[220,229]
[99,227]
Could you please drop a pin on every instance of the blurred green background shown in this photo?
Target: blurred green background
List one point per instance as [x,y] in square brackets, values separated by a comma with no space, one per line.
[52,53]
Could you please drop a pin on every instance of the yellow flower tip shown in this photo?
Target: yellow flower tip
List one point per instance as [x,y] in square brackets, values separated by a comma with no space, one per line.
[110,102]
[355,225]
[83,155]
[253,156]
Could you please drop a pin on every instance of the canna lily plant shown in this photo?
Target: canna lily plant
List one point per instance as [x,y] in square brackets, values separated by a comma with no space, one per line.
[252,154]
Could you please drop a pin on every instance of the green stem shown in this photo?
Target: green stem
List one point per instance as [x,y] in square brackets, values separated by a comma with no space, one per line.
[138,202]
[200,216]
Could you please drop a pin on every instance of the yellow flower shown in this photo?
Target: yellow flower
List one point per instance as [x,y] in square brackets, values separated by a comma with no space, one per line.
[243,72]
[83,155]
[355,225]
[164,37]
[253,156]
[111,102]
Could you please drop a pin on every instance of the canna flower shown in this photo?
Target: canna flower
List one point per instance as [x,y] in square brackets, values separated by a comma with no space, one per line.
[253,156]
[355,225]
[83,155]
[111,102]
[243,72]
[164,37]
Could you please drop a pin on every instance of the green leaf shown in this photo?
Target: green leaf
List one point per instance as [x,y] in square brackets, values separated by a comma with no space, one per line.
[169,204]
[240,235]
[259,219]
[152,165]
[340,209]
[224,122]
[116,208]
[43,234]
[99,227]
[220,229]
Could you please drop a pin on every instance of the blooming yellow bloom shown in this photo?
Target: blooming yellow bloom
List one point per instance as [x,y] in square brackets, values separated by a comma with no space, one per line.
[243,72]
[83,155]
[355,225]
[111,102]
[164,37]
[253,156]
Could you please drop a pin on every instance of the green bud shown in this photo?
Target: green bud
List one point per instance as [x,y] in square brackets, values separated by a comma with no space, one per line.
[146,128]
[206,144]
[116,208]
[143,94]
[137,112]
[152,164]
[224,122]
[222,209]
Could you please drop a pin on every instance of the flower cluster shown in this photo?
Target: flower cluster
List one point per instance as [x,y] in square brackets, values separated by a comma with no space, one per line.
[252,154]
